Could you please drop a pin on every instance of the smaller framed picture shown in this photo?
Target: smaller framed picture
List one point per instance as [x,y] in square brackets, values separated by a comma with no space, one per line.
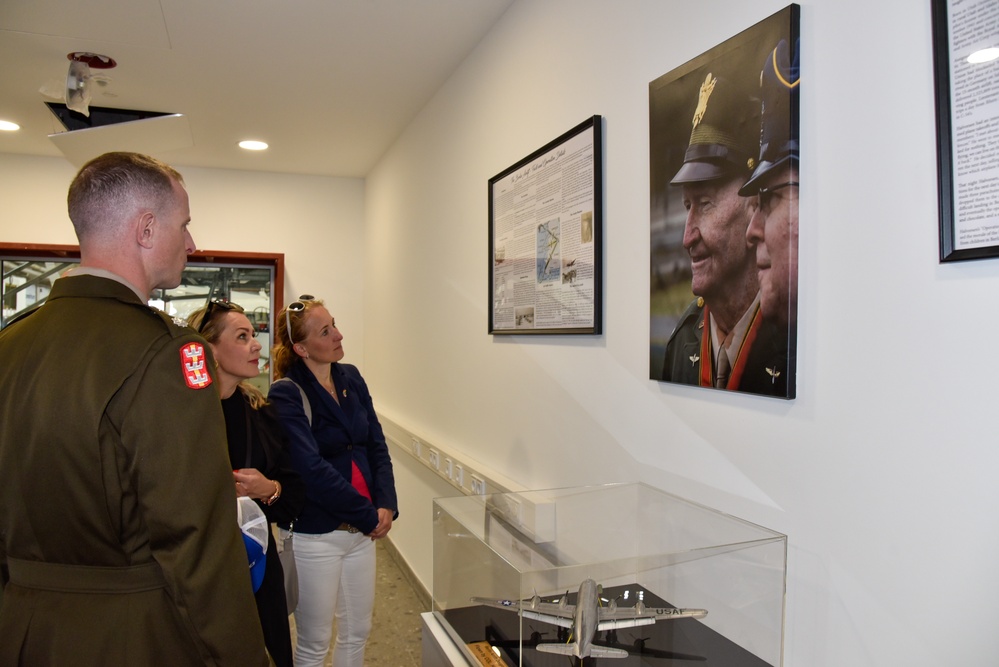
[966,69]
[545,224]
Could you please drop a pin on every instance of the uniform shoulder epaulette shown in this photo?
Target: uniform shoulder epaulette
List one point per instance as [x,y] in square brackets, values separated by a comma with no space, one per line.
[691,315]
[176,325]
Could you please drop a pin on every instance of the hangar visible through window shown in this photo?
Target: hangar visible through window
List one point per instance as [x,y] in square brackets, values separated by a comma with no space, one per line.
[253,280]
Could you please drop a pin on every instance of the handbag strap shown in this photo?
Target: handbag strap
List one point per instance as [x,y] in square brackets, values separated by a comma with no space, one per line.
[306,405]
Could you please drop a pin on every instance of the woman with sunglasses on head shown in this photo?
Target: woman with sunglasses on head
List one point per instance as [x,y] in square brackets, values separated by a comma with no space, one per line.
[258,452]
[338,447]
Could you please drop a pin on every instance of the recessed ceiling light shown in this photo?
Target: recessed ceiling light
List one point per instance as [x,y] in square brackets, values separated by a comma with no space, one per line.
[983,56]
[253,145]
[8,126]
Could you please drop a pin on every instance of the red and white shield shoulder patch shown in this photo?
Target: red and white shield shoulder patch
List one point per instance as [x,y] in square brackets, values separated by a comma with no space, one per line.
[194,365]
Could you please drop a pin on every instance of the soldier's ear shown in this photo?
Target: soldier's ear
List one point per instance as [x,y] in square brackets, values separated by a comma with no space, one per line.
[145,229]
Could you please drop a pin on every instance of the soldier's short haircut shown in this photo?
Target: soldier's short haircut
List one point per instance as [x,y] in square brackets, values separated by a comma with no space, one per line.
[113,187]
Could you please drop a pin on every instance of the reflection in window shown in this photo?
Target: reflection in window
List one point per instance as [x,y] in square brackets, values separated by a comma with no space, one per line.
[27,283]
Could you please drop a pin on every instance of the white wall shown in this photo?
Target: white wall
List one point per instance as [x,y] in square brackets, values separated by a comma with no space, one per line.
[317,222]
[881,472]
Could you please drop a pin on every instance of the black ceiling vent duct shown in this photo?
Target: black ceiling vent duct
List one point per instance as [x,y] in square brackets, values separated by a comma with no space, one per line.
[99,116]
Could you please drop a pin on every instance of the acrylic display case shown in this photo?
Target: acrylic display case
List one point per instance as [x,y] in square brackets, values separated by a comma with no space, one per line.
[500,559]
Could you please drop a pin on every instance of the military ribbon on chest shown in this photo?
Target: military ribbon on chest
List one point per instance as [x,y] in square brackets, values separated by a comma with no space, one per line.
[742,356]
[194,366]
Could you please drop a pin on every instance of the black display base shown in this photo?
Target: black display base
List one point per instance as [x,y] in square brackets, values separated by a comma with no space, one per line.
[683,641]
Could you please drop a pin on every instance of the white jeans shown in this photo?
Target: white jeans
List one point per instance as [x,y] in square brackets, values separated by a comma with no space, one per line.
[336,574]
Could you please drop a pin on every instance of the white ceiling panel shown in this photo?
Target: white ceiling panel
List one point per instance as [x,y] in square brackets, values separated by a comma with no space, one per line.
[329,84]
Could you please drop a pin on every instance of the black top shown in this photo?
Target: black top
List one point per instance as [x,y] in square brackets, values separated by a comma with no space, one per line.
[268,453]
[268,448]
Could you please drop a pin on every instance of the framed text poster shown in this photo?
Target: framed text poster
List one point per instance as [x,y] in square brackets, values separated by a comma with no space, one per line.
[545,221]
[966,65]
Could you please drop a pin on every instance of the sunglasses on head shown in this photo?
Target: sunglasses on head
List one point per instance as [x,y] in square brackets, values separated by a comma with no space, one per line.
[296,306]
[213,305]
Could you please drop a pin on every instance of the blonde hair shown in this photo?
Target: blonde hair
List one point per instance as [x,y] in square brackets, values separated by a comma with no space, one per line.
[283,353]
[212,332]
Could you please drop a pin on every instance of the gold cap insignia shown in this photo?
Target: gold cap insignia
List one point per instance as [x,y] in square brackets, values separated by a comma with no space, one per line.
[702,99]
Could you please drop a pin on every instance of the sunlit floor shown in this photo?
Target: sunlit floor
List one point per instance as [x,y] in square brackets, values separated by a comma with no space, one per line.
[395,632]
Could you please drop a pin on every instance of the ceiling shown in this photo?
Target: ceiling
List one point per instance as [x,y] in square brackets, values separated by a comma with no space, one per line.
[329,84]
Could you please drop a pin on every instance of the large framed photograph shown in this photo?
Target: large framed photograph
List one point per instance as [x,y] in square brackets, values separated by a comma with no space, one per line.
[545,225]
[724,180]
[966,69]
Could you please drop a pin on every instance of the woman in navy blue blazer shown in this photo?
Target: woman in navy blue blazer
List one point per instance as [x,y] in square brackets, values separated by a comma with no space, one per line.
[338,448]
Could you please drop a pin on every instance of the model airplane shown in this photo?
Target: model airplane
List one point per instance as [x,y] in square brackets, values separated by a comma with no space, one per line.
[587,617]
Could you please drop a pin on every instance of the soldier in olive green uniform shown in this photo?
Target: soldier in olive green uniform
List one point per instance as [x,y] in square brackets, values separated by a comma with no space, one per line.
[117,502]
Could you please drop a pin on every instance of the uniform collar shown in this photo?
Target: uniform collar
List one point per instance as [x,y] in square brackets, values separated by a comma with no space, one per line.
[104,273]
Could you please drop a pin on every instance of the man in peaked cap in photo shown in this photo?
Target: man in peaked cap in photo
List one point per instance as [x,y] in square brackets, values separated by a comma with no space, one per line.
[720,340]
[774,229]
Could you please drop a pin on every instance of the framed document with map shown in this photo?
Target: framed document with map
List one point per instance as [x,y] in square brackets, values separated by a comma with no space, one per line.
[966,68]
[545,224]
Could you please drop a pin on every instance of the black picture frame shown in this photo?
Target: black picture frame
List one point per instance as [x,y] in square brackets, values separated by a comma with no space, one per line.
[537,283]
[968,212]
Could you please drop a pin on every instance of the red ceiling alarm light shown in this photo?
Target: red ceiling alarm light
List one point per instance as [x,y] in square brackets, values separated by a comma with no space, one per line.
[93,60]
